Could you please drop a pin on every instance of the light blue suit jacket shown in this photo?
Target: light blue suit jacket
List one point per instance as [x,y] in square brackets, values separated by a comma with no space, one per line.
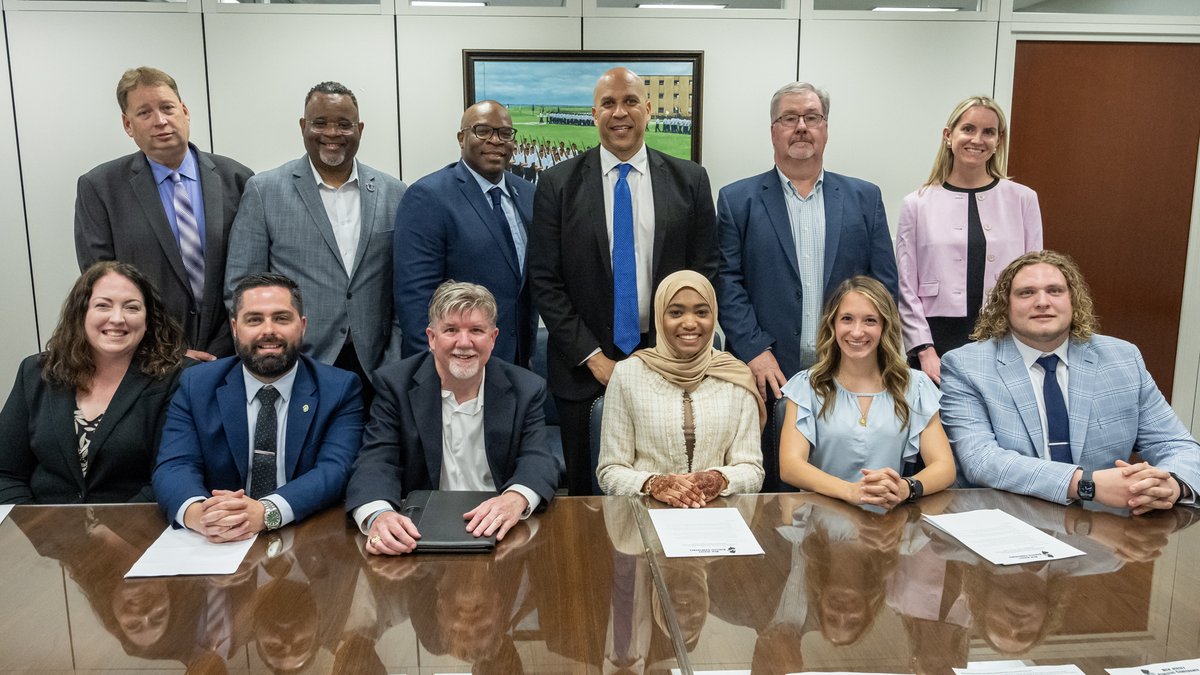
[991,417]
[281,227]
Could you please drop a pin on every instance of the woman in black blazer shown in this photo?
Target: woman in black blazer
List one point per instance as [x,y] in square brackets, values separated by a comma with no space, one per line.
[83,420]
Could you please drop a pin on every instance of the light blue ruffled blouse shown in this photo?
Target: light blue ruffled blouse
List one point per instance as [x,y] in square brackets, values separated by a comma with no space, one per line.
[841,445]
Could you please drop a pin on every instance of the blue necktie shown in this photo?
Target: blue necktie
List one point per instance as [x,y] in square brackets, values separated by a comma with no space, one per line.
[626,326]
[190,247]
[1058,427]
[502,223]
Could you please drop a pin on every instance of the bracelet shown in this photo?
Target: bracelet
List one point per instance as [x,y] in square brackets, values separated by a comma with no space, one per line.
[650,484]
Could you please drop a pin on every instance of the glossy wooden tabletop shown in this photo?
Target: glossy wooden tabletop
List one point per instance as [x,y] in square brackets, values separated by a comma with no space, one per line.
[583,588]
[841,588]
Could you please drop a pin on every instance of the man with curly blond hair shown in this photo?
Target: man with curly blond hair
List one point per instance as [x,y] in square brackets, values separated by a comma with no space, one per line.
[1043,405]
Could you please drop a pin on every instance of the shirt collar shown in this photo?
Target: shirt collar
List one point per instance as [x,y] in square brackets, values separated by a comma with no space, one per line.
[283,385]
[1030,355]
[789,189]
[485,184]
[640,160]
[188,169]
[472,407]
[353,179]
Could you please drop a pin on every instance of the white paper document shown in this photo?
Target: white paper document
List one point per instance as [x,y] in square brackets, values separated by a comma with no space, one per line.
[1006,668]
[4,510]
[180,551]
[1187,667]
[1002,539]
[691,533]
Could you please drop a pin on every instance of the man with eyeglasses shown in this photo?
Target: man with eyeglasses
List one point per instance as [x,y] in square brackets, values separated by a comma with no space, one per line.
[324,221]
[469,222]
[787,236]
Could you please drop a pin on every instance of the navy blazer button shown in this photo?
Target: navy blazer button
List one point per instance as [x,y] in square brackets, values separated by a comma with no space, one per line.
[349,295]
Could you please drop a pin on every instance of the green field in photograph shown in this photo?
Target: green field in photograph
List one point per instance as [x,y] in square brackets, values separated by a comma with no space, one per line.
[525,119]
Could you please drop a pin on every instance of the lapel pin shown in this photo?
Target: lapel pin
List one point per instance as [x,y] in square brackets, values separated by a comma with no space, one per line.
[370,187]
[304,407]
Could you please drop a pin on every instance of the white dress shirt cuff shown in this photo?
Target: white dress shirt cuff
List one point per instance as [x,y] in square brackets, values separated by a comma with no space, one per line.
[530,496]
[183,509]
[285,509]
[364,515]
[589,356]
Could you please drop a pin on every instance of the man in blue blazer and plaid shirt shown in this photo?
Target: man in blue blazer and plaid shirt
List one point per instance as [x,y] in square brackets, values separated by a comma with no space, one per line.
[1042,405]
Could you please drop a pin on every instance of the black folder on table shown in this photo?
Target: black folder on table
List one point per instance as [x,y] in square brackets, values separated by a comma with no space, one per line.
[438,515]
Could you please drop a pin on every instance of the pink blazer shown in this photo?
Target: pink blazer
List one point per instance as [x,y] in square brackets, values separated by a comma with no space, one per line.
[931,249]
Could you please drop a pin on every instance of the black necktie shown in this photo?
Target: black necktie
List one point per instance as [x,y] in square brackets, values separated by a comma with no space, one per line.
[502,223]
[1058,428]
[262,475]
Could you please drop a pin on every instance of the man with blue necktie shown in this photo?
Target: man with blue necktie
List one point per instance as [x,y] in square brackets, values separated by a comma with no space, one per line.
[608,225]
[1042,405]
[469,222]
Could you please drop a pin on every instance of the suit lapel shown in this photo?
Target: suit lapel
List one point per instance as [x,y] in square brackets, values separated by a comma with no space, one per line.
[499,411]
[301,411]
[775,204]
[831,193]
[591,198]
[663,200]
[1015,376]
[483,208]
[368,200]
[306,187]
[212,190]
[132,385]
[425,397]
[62,417]
[1081,388]
[141,181]
[231,400]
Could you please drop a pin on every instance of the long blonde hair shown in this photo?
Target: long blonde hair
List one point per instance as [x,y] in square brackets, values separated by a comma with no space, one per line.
[892,365]
[997,164]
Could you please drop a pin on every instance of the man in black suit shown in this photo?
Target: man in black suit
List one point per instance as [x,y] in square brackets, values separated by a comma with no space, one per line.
[165,209]
[453,418]
[620,212]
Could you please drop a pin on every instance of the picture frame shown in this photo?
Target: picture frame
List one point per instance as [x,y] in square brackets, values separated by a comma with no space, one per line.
[549,95]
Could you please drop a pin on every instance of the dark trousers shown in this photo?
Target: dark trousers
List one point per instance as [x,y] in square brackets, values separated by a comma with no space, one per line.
[347,359]
[770,449]
[574,418]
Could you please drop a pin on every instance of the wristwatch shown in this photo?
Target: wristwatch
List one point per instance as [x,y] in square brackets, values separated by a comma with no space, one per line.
[915,489]
[1087,487]
[272,518]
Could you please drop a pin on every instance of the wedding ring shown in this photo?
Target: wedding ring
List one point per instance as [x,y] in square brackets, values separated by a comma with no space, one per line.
[375,540]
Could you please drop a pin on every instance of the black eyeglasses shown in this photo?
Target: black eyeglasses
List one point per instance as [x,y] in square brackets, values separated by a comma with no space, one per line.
[484,131]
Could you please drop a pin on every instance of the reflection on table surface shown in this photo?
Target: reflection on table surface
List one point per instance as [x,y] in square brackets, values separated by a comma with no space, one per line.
[584,588]
[550,599]
[843,588]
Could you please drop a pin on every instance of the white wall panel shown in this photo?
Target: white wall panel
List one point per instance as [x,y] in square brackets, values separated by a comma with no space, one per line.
[745,61]
[429,49]
[261,66]
[65,67]
[892,84]
[16,293]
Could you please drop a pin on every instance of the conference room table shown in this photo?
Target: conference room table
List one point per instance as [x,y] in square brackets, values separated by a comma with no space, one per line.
[584,587]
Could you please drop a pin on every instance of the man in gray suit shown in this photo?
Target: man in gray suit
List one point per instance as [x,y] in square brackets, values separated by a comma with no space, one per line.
[325,220]
[166,209]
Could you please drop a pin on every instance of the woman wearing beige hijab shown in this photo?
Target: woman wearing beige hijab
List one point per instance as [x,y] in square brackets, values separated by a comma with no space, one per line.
[682,421]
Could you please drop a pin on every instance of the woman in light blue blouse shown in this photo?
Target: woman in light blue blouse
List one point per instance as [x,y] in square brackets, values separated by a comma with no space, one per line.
[860,416]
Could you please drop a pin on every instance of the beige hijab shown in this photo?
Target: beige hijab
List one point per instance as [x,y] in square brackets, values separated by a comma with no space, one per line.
[687,372]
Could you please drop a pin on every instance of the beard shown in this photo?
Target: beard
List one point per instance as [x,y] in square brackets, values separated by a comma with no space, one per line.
[464,371]
[267,365]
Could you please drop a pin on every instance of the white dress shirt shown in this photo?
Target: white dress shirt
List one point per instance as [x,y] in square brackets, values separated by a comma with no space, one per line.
[1037,378]
[343,206]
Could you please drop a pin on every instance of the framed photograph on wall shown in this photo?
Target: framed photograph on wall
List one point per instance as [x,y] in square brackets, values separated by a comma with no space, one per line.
[549,95]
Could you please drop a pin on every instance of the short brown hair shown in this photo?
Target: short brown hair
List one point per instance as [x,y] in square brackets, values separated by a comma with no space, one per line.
[143,76]
[67,361]
[994,322]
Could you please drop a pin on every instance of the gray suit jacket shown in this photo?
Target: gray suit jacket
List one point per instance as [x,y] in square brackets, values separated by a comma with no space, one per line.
[281,227]
[119,216]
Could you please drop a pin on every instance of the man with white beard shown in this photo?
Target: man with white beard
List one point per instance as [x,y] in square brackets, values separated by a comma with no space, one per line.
[453,419]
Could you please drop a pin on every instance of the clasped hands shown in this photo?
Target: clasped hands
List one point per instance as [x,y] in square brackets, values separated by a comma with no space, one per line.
[395,534]
[1140,487]
[687,490]
[880,487]
[228,515]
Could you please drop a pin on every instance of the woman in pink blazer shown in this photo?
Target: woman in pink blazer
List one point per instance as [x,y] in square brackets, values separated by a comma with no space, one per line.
[958,231]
